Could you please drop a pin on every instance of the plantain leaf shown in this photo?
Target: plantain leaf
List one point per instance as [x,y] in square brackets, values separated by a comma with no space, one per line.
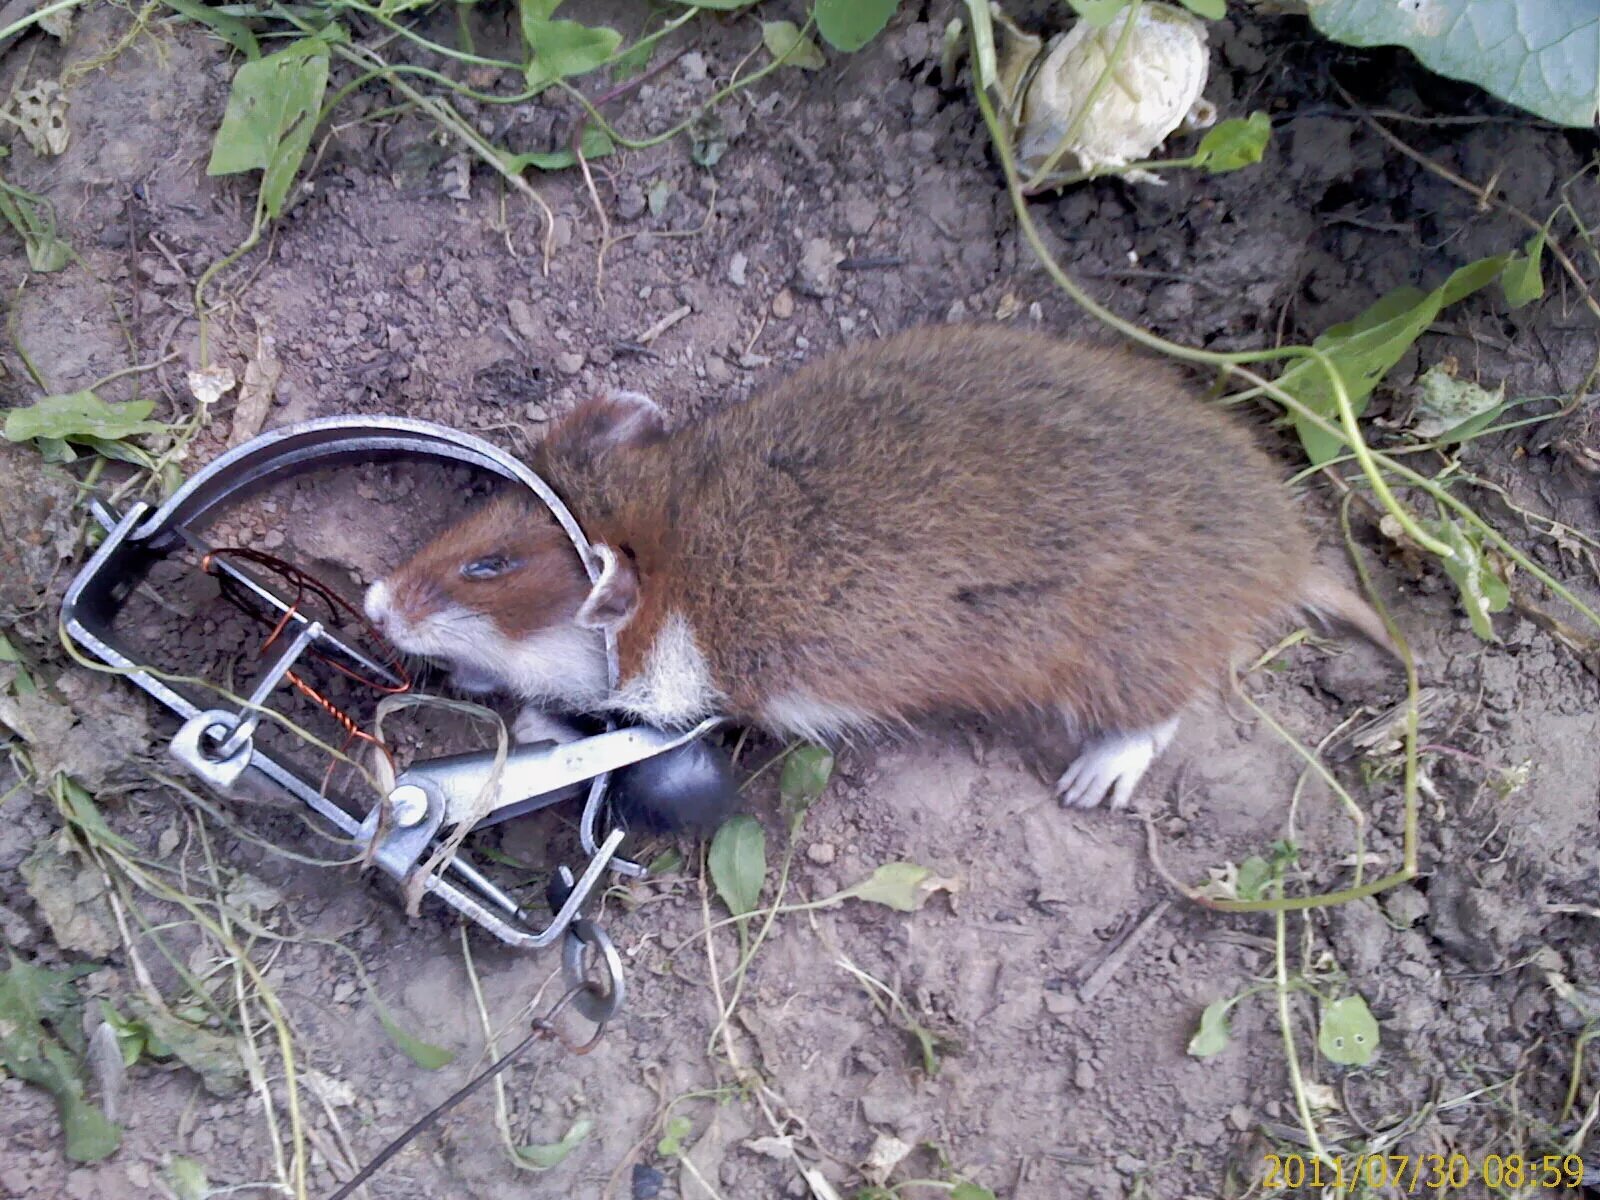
[271,114]
[849,25]
[738,861]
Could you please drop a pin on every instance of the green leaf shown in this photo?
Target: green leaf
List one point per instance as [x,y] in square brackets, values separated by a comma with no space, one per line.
[271,114]
[783,41]
[32,998]
[1348,1035]
[562,49]
[46,252]
[666,863]
[1098,13]
[1212,1036]
[1482,591]
[1365,349]
[226,26]
[1542,55]
[542,1158]
[1523,279]
[970,1191]
[719,5]
[671,1143]
[188,1177]
[1452,410]
[805,774]
[1208,10]
[902,886]
[537,10]
[212,1056]
[849,25]
[427,1056]
[632,61]
[1255,873]
[595,142]
[738,861]
[1229,145]
[76,415]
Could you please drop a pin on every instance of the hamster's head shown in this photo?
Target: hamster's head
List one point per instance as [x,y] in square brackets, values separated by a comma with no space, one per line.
[496,599]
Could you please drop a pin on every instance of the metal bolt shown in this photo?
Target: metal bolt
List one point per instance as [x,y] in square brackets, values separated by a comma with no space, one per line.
[408,804]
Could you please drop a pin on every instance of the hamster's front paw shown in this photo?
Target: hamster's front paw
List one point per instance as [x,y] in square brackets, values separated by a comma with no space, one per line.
[1114,763]
[536,725]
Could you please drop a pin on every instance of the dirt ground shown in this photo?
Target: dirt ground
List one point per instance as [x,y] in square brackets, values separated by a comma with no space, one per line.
[1065,977]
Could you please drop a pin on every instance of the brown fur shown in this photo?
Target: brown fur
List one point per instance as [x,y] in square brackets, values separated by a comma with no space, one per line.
[957,518]
[520,603]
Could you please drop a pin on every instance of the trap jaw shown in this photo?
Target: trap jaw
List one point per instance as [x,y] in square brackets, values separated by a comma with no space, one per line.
[433,795]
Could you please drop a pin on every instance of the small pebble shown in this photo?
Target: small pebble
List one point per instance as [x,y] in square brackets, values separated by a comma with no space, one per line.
[783,305]
[694,65]
[736,269]
[569,362]
[821,853]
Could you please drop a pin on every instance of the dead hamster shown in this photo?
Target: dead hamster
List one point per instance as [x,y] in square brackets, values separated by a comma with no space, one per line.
[952,519]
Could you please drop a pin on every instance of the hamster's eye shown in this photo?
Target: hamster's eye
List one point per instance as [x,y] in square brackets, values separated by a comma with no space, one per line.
[487,567]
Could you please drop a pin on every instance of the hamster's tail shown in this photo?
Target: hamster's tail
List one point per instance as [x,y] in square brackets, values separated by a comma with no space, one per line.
[1330,602]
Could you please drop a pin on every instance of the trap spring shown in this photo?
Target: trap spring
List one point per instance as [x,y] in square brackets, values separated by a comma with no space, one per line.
[433,795]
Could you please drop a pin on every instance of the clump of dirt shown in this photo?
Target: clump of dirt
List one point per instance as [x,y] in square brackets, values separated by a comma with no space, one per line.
[1063,982]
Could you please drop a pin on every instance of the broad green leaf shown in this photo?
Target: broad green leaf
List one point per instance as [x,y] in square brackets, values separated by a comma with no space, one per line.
[212,1056]
[271,114]
[783,41]
[632,61]
[902,886]
[738,861]
[595,142]
[1208,10]
[667,862]
[427,1056]
[1542,55]
[537,10]
[671,1143]
[562,49]
[1523,279]
[226,26]
[542,1158]
[970,1191]
[74,415]
[805,774]
[1255,873]
[1450,409]
[719,5]
[1365,349]
[1482,591]
[186,1176]
[1229,145]
[41,1042]
[1098,13]
[849,25]
[1212,1036]
[46,252]
[1348,1035]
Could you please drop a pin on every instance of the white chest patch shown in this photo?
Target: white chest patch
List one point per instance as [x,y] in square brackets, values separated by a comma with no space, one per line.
[800,714]
[674,687]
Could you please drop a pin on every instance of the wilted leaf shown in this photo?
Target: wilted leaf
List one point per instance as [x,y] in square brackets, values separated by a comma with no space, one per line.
[708,140]
[562,49]
[427,1056]
[783,41]
[1450,409]
[542,1158]
[188,1178]
[271,114]
[738,861]
[212,384]
[1348,1035]
[40,113]
[1543,55]
[1365,349]
[261,376]
[849,25]
[887,1153]
[1212,1036]
[212,1056]
[1229,145]
[71,895]
[1482,591]
[74,415]
[30,998]
[805,774]
[902,886]
[1523,279]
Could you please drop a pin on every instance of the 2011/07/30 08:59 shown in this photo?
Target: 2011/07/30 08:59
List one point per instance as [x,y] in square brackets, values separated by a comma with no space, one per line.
[1417,1174]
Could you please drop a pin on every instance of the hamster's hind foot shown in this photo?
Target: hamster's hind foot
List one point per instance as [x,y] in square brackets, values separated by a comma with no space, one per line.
[1114,763]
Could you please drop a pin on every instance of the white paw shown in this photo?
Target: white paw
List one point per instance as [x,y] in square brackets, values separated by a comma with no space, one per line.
[1114,763]
[535,725]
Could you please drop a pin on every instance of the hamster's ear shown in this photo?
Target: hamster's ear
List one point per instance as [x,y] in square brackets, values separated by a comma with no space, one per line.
[615,595]
[607,421]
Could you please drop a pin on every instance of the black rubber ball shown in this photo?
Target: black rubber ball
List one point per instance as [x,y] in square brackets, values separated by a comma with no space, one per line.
[687,790]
